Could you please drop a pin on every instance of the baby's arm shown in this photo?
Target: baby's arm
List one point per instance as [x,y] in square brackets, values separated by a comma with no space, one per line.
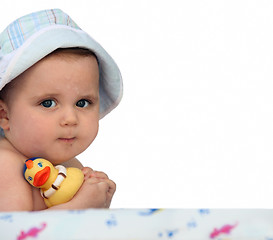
[15,192]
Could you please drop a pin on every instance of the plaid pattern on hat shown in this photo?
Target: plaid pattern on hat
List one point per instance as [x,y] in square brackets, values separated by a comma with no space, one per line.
[21,29]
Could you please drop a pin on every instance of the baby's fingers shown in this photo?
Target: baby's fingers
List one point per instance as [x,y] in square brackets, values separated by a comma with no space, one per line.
[99,174]
[110,192]
[93,180]
[112,186]
[87,172]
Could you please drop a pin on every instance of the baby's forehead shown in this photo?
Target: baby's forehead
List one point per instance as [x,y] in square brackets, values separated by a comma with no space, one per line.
[56,72]
[72,53]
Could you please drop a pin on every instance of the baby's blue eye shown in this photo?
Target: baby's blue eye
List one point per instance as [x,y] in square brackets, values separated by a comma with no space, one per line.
[82,103]
[29,178]
[48,103]
[40,164]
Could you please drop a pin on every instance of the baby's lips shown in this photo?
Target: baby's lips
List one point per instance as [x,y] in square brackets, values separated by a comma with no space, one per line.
[41,177]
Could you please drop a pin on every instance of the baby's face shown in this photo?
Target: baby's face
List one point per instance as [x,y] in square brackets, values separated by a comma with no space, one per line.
[53,109]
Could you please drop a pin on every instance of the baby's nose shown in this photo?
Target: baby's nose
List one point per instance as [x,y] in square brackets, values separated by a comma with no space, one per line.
[70,117]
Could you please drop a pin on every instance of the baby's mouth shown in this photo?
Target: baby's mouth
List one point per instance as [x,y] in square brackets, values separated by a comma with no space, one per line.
[68,140]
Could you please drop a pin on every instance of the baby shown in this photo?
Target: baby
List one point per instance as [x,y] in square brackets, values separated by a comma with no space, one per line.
[56,82]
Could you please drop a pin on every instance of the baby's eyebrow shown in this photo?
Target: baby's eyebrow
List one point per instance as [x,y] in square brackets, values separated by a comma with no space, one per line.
[93,97]
[45,95]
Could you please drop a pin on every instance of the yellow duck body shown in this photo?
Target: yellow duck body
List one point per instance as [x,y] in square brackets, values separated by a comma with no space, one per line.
[58,184]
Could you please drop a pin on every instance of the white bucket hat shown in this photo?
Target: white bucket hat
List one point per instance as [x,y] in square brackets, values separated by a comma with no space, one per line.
[30,38]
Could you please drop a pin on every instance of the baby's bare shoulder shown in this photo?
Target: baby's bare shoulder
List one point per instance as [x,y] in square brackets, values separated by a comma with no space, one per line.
[13,185]
[10,159]
[9,153]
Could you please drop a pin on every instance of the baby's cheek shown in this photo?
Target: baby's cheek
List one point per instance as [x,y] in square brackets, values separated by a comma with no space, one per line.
[37,135]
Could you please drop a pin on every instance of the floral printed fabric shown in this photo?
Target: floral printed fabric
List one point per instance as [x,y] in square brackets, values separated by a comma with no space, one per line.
[190,224]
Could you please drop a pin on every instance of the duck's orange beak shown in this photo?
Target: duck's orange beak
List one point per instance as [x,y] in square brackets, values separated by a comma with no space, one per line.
[41,177]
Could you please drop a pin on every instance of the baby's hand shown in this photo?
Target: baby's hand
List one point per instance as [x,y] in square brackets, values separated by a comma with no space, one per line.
[99,186]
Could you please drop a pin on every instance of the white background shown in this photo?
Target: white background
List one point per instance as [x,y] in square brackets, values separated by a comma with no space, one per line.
[195,126]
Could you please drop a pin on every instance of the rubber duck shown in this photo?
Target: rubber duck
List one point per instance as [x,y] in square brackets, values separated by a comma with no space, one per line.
[57,184]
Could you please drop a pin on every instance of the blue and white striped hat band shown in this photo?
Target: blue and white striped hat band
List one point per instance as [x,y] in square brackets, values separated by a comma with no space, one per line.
[30,38]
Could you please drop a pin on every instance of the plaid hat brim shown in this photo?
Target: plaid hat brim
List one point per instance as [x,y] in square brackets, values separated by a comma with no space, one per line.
[30,38]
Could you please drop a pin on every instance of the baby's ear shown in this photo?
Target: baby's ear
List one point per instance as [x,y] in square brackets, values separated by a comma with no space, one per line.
[4,120]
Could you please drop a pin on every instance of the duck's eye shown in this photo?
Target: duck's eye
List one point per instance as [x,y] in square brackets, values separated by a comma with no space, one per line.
[40,164]
[29,178]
